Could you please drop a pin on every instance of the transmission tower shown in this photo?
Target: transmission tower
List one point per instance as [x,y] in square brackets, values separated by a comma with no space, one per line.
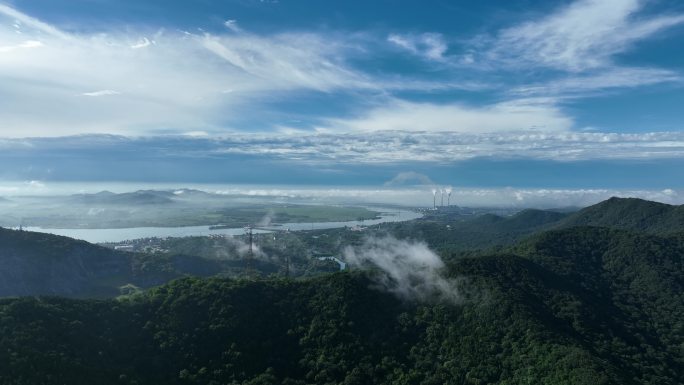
[250,252]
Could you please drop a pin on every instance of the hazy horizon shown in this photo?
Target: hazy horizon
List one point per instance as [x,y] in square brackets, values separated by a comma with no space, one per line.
[388,195]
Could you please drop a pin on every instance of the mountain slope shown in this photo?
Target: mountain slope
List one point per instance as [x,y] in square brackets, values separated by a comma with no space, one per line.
[630,214]
[483,231]
[36,263]
[43,264]
[489,230]
[621,290]
[575,306]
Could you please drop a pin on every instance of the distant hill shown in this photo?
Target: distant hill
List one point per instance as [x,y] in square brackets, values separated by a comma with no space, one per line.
[141,197]
[529,219]
[619,213]
[34,263]
[460,233]
[630,214]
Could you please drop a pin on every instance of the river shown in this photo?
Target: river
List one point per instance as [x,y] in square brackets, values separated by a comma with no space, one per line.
[119,235]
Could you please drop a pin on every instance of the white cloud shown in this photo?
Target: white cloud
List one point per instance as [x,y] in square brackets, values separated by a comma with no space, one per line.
[20,19]
[179,82]
[584,35]
[605,80]
[430,46]
[101,93]
[574,50]
[169,85]
[288,61]
[381,147]
[172,81]
[142,43]
[445,147]
[232,25]
[35,184]
[22,45]
[409,269]
[196,134]
[520,115]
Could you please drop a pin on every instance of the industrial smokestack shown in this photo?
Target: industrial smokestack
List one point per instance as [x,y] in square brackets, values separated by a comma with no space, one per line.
[448,191]
[434,198]
[441,191]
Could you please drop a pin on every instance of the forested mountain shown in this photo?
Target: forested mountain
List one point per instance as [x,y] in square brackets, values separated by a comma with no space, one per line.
[451,232]
[631,214]
[43,264]
[584,305]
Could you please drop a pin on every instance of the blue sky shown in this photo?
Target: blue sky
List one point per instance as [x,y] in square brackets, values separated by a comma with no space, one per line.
[557,94]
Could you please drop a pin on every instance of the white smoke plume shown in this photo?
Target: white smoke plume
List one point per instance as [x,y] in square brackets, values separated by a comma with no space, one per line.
[267,219]
[236,248]
[409,269]
[243,249]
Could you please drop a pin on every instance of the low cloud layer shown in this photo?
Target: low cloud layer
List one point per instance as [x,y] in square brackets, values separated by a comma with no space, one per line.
[408,269]
[513,116]
[401,146]
[375,148]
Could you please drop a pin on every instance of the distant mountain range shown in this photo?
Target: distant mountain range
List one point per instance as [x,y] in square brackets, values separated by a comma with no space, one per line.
[140,197]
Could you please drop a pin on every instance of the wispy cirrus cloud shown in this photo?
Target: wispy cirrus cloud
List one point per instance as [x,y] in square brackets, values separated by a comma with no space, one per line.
[430,46]
[598,82]
[165,81]
[20,19]
[172,81]
[584,35]
[576,48]
[289,61]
